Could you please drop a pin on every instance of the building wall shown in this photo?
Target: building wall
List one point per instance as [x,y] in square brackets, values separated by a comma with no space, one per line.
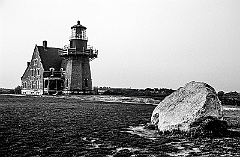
[68,74]
[76,77]
[87,81]
[78,74]
[32,79]
[78,45]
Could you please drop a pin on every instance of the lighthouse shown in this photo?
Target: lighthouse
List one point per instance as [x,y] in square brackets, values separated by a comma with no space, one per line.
[77,56]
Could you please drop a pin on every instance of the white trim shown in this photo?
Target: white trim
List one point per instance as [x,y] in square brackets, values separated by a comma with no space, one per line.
[51,70]
[32,92]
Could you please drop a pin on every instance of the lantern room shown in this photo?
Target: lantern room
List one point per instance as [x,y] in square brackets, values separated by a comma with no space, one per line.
[78,31]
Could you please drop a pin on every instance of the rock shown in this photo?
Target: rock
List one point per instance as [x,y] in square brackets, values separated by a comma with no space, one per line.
[208,126]
[191,107]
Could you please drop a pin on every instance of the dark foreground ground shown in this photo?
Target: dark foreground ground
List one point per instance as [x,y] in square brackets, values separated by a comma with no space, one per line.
[48,126]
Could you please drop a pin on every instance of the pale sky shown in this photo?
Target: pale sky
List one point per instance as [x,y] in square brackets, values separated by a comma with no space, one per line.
[141,43]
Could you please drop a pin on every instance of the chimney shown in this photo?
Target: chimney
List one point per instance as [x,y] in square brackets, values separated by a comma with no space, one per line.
[28,63]
[44,44]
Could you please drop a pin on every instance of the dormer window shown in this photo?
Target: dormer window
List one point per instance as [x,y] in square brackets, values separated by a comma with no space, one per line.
[51,71]
[61,70]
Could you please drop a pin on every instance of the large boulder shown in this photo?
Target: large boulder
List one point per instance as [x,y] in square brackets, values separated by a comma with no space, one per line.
[193,106]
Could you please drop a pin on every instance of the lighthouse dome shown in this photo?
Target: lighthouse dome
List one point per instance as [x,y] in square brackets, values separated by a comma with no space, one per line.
[78,25]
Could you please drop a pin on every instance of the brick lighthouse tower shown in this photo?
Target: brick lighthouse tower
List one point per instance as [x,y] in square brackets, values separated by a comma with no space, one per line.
[77,56]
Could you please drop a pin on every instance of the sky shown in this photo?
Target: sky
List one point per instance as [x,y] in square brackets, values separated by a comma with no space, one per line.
[141,43]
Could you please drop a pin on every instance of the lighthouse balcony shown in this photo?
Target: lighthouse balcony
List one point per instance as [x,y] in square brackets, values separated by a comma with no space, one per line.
[67,51]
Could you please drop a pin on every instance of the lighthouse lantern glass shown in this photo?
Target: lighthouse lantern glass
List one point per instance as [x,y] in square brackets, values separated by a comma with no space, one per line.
[73,34]
[78,33]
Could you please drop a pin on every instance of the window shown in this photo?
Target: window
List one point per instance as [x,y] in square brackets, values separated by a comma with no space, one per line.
[32,73]
[38,72]
[35,62]
[66,83]
[32,84]
[84,34]
[86,82]
[38,84]
[24,84]
[45,83]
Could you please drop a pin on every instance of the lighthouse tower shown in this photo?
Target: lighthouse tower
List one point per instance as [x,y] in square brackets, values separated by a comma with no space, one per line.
[77,56]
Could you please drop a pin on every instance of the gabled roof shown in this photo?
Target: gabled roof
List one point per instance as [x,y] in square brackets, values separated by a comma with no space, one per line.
[24,72]
[50,58]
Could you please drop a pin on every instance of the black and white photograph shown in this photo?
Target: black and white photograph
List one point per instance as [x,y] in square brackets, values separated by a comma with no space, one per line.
[119,78]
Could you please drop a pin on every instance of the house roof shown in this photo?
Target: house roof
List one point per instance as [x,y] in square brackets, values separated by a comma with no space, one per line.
[50,58]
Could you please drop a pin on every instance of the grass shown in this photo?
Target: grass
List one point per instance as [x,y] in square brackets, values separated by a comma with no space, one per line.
[232,117]
[50,126]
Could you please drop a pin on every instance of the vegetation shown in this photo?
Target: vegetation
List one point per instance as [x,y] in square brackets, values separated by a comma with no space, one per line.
[157,93]
[6,91]
[16,90]
[57,126]
[230,98]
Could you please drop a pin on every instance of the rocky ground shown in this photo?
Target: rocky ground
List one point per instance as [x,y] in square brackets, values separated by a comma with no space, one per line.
[76,126]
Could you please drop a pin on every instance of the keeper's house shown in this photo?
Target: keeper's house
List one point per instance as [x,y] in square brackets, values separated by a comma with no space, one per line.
[45,73]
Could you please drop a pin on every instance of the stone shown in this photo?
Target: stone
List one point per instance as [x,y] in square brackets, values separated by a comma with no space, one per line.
[208,126]
[183,109]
